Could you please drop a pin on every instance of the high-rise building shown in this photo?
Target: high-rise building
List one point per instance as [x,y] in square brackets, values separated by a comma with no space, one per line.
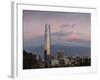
[47,46]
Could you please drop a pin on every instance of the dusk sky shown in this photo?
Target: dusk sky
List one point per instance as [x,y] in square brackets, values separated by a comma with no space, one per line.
[67,28]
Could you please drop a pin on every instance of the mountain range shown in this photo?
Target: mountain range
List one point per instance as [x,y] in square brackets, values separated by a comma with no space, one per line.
[67,50]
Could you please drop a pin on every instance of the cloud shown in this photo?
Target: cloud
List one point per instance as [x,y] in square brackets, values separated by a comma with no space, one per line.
[67,25]
[72,37]
[68,36]
[61,34]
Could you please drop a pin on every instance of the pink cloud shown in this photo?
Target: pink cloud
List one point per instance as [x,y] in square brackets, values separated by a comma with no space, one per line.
[72,37]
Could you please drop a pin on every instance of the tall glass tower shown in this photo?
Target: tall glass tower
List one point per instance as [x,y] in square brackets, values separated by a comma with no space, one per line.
[47,46]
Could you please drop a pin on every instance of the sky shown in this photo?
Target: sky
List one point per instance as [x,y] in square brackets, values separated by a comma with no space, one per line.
[67,28]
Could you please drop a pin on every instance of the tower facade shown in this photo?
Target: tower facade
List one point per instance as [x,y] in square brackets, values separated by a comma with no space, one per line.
[47,46]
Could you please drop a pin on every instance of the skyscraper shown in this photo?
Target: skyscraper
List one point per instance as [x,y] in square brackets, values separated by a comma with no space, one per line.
[47,46]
